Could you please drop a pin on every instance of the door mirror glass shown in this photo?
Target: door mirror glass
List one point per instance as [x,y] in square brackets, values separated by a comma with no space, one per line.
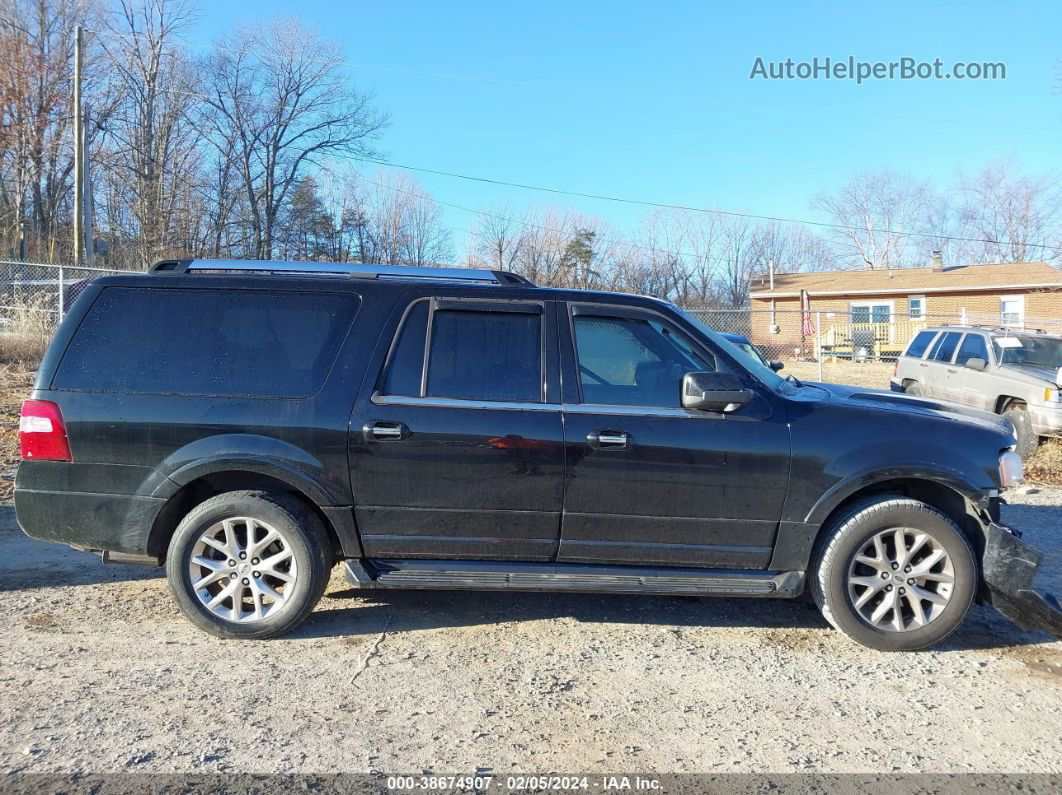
[977,363]
[714,392]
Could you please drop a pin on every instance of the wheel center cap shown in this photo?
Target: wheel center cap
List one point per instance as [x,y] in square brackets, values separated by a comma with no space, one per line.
[243,568]
[898,577]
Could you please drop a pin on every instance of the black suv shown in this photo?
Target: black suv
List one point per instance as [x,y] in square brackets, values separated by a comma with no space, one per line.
[250,424]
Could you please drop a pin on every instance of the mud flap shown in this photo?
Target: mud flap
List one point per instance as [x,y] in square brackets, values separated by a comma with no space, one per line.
[1009,566]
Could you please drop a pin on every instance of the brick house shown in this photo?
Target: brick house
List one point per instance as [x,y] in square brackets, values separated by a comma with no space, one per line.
[880,310]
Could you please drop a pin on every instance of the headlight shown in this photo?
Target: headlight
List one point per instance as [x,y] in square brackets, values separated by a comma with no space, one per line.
[1010,469]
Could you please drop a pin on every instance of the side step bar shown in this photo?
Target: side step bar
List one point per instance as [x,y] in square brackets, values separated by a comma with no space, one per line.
[493,576]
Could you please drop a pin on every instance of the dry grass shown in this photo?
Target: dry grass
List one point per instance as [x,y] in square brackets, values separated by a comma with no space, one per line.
[28,329]
[16,382]
[1044,468]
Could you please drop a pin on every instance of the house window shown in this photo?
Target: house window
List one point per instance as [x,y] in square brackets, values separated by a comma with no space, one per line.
[916,307]
[870,312]
[1012,310]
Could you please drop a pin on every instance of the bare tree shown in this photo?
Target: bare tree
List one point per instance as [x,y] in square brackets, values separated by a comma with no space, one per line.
[877,212]
[277,94]
[1014,215]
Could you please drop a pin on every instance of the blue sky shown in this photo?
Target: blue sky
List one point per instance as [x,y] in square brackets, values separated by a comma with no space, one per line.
[654,101]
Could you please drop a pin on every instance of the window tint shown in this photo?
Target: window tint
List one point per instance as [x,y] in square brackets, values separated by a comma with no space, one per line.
[485,356]
[633,362]
[945,346]
[920,343]
[407,357]
[973,347]
[206,342]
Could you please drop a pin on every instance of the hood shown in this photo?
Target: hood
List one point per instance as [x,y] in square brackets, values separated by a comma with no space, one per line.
[1031,373]
[894,401]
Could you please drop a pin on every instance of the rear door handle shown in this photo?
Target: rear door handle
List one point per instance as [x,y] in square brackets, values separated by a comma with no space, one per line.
[608,440]
[385,431]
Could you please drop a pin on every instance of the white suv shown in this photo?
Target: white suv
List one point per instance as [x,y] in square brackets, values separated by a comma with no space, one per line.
[1013,373]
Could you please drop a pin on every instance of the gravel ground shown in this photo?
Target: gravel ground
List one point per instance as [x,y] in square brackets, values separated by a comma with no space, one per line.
[101,674]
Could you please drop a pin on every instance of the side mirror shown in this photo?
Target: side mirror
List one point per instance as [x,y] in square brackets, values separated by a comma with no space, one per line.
[776,365]
[977,363]
[708,391]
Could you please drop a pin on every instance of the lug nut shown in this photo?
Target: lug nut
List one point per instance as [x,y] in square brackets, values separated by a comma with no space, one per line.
[888,587]
[907,568]
[232,563]
[895,566]
[254,561]
[258,574]
[902,591]
[232,576]
[243,556]
[884,575]
[246,581]
[911,581]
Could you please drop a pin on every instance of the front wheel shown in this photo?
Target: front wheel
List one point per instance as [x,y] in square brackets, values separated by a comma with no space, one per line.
[894,574]
[248,564]
[1027,440]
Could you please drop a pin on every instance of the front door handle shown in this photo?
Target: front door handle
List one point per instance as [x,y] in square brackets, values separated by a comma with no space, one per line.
[385,431]
[608,440]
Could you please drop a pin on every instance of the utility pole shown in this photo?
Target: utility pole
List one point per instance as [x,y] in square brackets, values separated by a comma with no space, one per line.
[88,210]
[79,152]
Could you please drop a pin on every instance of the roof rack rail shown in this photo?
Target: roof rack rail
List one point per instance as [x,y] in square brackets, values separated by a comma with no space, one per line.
[468,275]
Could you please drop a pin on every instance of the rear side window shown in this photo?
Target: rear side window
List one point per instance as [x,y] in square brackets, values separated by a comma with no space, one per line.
[945,347]
[973,347]
[252,343]
[472,355]
[920,343]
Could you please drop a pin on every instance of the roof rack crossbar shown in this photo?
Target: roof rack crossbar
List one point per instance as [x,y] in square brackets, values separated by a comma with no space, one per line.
[476,275]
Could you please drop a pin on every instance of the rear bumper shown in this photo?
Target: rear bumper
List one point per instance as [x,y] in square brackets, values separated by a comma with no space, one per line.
[1009,567]
[113,522]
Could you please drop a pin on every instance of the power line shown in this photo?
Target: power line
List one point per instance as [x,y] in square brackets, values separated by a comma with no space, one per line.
[667,206]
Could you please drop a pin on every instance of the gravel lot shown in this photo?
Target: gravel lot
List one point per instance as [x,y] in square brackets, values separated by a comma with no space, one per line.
[101,674]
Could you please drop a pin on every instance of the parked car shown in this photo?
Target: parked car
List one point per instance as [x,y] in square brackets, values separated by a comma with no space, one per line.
[250,424]
[1012,373]
[744,345]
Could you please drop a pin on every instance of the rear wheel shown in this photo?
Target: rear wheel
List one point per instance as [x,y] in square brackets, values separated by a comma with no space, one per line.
[248,564]
[894,574]
[913,389]
[1028,441]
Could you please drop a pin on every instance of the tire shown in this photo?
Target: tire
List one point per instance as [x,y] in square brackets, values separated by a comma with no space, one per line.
[1028,441]
[298,574]
[854,533]
[913,389]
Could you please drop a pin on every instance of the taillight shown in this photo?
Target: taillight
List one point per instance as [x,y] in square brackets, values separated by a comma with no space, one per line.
[41,432]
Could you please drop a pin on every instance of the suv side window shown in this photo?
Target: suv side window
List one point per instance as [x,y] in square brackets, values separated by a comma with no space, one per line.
[920,343]
[627,361]
[973,347]
[945,346]
[473,354]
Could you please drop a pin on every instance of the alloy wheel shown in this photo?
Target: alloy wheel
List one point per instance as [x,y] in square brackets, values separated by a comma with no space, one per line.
[900,580]
[242,569]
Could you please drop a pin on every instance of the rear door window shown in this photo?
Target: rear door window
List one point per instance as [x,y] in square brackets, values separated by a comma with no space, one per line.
[490,351]
[255,343]
[920,343]
[945,346]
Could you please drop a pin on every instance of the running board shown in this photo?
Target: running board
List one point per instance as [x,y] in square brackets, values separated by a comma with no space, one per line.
[492,576]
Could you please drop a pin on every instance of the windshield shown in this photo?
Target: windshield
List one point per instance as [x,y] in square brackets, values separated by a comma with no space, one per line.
[754,364]
[1025,351]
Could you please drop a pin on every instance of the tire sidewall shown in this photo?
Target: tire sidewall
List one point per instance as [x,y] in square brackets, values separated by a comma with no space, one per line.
[298,604]
[1021,422]
[857,532]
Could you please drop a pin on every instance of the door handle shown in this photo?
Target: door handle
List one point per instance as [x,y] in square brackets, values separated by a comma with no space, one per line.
[608,440]
[952,371]
[923,364]
[385,431]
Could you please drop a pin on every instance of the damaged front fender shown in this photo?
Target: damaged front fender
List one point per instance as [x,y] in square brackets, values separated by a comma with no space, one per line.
[1009,566]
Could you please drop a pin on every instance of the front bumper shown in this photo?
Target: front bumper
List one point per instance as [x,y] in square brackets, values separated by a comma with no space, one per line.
[1009,567]
[1046,420]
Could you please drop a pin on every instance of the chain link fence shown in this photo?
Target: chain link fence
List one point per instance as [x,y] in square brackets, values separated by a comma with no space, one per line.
[33,299]
[846,347]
